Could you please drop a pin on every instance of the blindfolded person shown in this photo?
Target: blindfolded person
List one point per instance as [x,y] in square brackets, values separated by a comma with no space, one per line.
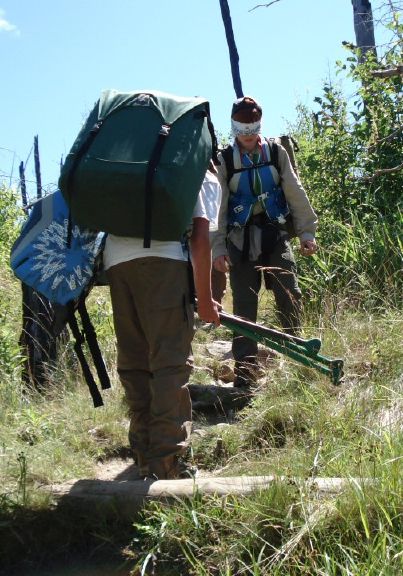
[262,199]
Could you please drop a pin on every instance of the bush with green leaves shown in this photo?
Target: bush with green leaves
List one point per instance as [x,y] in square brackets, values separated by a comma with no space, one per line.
[10,217]
[350,164]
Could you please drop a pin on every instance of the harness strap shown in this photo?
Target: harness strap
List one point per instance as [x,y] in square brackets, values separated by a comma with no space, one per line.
[229,152]
[246,242]
[152,168]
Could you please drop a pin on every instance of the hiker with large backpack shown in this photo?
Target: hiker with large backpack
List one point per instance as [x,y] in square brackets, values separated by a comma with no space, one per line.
[263,206]
[138,171]
[154,326]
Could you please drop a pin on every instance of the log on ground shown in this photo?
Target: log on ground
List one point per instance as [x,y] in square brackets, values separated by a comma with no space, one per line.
[129,497]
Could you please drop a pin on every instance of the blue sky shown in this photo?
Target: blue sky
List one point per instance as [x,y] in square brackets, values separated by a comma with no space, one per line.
[57,56]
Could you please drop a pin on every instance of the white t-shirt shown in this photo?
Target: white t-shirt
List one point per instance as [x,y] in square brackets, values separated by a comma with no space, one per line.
[120,249]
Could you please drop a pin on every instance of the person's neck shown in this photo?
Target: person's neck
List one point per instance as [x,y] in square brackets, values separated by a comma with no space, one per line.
[248,148]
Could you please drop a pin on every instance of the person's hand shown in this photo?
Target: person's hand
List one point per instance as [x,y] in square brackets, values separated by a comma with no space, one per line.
[308,247]
[221,263]
[208,311]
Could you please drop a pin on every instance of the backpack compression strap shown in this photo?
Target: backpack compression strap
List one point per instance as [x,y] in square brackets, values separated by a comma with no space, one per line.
[214,142]
[79,154]
[152,167]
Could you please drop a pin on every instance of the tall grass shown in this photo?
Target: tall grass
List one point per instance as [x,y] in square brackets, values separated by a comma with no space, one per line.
[360,260]
[301,427]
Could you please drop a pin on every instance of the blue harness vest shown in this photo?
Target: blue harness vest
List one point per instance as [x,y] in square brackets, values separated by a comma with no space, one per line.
[254,183]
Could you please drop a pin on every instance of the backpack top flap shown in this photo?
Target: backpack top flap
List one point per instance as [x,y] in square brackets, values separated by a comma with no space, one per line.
[41,258]
[170,106]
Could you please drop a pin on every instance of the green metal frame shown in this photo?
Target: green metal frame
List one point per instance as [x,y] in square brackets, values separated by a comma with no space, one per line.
[303,351]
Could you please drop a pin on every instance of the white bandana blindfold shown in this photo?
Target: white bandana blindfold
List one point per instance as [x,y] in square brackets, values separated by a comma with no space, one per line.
[243,129]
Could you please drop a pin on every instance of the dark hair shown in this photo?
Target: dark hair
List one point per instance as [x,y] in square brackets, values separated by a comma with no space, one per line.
[246,110]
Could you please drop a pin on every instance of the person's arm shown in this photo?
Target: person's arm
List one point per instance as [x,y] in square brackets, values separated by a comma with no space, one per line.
[219,237]
[201,261]
[304,218]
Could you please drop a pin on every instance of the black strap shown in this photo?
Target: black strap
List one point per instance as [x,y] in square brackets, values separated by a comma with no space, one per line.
[228,155]
[191,279]
[78,155]
[79,340]
[246,242]
[91,339]
[214,142]
[152,167]
[273,147]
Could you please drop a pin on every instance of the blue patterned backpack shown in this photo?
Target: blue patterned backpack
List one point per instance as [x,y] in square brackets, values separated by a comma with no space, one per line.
[60,261]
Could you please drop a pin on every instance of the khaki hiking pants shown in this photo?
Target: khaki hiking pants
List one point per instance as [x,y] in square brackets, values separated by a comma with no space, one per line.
[154,325]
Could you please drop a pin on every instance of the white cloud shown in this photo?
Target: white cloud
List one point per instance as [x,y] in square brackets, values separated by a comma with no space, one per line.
[6,26]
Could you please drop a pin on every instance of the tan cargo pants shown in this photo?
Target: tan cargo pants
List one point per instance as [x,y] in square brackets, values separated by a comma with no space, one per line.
[154,325]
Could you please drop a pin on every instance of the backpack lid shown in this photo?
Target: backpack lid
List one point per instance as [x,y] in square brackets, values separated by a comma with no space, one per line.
[170,106]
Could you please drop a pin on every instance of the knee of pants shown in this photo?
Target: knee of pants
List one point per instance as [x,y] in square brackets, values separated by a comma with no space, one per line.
[284,284]
[287,296]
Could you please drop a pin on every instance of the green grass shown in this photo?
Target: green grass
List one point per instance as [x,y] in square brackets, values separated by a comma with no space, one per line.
[301,426]
[298,426]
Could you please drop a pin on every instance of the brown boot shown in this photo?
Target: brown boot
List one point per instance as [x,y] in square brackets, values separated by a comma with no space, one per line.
[164,468]
[141,464]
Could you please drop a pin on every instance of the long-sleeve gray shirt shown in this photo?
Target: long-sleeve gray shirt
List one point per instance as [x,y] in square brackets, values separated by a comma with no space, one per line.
[304,218]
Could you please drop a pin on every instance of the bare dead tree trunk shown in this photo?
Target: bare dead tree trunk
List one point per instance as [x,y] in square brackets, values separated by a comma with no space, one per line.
[23,186]
[37,341]
[364,28]
[37,168]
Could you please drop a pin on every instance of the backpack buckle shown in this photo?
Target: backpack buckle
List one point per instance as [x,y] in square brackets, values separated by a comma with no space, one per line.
[164,130]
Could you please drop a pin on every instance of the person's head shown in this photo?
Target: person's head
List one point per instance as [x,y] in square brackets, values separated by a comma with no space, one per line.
[246,118]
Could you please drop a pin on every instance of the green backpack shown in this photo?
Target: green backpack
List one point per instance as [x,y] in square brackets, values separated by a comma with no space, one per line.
[138,163]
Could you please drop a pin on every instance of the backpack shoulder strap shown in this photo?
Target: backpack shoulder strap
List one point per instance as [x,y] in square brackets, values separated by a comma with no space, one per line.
[79,341]
[273,147]
[91,339]
[228,155]
[155,157]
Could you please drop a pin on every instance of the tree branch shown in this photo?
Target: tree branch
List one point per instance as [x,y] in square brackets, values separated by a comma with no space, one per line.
[382,171]
[263,5]
[398,71]
[386,138]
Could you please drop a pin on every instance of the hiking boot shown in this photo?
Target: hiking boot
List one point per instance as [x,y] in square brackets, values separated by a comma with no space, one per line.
[164,468]
[171,468]
[141,464]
